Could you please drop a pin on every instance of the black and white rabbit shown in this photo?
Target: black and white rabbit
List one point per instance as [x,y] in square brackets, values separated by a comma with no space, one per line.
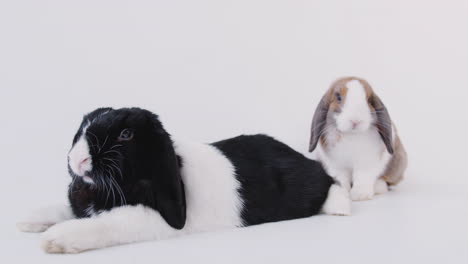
[131,182]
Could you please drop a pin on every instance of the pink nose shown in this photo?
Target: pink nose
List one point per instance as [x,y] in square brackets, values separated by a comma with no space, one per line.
[355,123]
[83,163]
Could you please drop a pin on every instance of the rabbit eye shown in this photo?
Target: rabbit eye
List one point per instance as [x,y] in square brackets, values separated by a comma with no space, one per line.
[338,97]
[126,135]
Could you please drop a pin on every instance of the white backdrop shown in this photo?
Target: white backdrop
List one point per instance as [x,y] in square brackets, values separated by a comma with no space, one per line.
[216,69]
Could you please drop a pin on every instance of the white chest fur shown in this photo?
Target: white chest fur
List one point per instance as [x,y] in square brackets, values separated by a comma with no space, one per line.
[355,160]
[353,151]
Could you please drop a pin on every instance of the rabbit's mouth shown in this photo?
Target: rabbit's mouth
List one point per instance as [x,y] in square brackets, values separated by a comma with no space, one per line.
[86,177]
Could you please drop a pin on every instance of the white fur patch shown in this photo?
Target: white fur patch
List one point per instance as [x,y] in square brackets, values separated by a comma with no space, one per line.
[338,201]
[355,110]
[212,198]
[121,225]
[42,219]
[363,191]
[211,187]
[355,86]
[381,187]
[80,159]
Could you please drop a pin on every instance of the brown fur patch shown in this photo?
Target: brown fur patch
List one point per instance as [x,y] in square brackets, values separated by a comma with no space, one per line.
[326,142]
[394,173]
[323,142]
[339,86]
[369,93]
[367,88]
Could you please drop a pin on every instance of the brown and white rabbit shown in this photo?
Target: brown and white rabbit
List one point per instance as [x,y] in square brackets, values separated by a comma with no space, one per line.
[357,143]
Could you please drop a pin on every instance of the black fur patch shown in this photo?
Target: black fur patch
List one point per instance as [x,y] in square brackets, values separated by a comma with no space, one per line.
[277,183]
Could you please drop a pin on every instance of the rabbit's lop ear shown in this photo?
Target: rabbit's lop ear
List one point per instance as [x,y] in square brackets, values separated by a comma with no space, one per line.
[383,122]
[163,165]
[319,121]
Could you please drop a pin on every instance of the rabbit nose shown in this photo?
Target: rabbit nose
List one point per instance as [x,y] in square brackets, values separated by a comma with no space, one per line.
[84,161]
[355,123]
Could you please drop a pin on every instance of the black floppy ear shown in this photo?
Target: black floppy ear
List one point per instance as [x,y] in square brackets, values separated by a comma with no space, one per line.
[319,122]
[384,123]
[164,169]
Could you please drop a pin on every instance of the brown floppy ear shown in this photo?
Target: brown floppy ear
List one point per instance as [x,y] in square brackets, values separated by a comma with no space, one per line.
[384,123]
[319,121]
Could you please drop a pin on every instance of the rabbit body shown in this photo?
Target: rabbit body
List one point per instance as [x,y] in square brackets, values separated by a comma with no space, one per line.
[132,182]
[353,136]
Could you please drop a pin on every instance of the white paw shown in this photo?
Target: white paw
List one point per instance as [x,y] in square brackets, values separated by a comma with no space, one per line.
[362,193]
[338,202]
[67,237]
[381,187]
[42,219]
[33,227]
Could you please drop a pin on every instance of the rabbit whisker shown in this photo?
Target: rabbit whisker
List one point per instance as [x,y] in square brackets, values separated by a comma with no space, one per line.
[115,146]
[113,151]
[105,141]
[116,167]
[122,196]
[97,139]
